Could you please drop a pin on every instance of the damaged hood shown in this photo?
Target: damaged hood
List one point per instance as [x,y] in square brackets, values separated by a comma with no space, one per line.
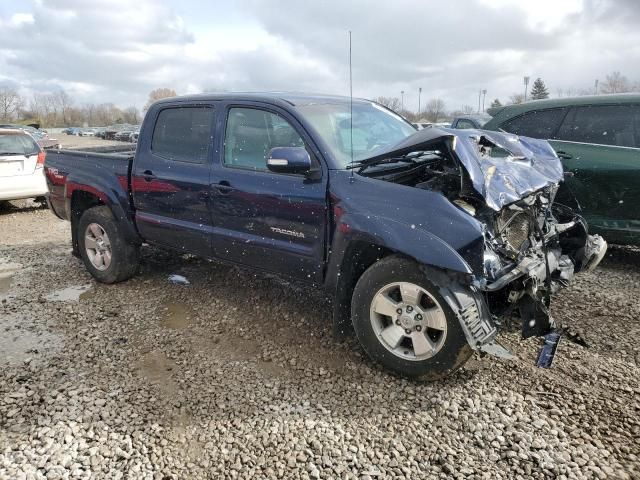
[502,167]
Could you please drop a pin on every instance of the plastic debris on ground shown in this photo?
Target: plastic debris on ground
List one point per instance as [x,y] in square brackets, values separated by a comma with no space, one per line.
[178,280]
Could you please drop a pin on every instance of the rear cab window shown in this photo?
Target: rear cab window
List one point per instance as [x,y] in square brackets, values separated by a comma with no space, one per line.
[537,123]
[183,134]
[616,125]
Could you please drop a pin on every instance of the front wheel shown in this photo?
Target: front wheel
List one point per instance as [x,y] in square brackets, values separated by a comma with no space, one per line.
[403,322]
[106,253]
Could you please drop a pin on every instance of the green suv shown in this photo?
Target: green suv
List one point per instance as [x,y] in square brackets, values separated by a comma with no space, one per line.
[598,140]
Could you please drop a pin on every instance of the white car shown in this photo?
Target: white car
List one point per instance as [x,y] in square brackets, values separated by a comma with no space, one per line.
[21,166]
[88,132]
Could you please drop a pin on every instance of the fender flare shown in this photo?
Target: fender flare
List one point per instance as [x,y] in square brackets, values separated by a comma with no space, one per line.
[107,195]
[414,242]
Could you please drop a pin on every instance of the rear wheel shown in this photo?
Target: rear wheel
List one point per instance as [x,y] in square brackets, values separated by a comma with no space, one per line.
[403,322]
[106,253]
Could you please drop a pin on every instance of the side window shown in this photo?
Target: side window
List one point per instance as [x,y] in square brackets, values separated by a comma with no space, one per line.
[604,125]
[183,134]
[537,124]
[251,133]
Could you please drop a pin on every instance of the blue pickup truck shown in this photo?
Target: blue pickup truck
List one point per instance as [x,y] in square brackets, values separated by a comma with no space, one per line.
[423,239]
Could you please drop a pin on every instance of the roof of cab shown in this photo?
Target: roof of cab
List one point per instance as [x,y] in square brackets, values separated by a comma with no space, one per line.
[291,98]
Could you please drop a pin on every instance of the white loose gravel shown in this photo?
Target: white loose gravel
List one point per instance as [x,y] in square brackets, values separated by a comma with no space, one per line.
[237,376]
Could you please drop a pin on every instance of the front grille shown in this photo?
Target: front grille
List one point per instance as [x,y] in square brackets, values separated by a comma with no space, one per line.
[514,227]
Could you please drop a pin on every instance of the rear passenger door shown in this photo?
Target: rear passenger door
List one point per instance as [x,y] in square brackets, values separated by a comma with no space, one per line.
[262,219]
[600,148]
[170,177]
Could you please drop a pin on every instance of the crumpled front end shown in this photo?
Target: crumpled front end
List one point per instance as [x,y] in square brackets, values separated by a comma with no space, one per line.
[532,249]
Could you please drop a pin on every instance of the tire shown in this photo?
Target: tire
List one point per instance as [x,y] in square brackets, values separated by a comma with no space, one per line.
[124,258]
[395,278]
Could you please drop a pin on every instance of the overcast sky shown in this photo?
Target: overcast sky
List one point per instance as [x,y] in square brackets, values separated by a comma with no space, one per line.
[119,50]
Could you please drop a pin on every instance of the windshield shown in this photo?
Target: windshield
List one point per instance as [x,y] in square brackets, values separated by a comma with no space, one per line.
[374,128]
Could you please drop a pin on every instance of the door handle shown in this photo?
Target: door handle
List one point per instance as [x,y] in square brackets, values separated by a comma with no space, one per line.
[148,175]
[564,155]
[224,187]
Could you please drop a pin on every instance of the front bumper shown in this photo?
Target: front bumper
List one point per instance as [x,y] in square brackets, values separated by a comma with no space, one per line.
[526,287]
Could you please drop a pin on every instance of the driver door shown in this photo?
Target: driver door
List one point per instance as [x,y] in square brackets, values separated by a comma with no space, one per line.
[272,221]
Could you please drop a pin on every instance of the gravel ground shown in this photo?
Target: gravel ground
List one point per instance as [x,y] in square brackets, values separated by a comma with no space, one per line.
[237,376]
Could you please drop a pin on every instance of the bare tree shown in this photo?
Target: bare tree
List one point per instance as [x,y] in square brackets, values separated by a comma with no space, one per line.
[158,94]
[89,114]
[63,103]
[615,83]
[131,115]
[40,105]
[409,115]
[10,103]
[468,109]
[392,103]
[435,110]
[516,98]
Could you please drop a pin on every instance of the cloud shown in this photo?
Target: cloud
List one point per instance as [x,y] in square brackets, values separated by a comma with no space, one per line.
[100,46]
[117,50]
[454,49]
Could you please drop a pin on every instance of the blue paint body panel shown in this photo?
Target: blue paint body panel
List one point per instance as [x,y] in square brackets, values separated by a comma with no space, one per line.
[289,224]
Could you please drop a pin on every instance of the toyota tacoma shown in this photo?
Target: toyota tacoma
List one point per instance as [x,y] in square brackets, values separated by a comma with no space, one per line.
[426,240]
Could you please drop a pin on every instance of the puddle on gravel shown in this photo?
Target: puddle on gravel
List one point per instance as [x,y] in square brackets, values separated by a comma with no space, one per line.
[271,369]
[176,315]
[5,282]
[22,340]
[157,368]
[69,294]
[88,295]
[7,272]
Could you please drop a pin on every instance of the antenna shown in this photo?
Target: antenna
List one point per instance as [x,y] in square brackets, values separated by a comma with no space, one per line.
[351,106]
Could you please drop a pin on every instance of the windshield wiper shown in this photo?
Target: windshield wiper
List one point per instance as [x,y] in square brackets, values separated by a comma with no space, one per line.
[362,165]
[11,153]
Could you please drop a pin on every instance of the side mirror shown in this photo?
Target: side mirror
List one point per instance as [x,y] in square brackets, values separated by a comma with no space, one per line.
[289,160]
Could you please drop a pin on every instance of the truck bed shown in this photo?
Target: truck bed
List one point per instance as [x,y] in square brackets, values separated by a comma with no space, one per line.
[102,169]
[126,149]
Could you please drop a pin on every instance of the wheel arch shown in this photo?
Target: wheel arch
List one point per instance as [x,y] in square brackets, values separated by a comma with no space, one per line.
[81,200]
[356,257]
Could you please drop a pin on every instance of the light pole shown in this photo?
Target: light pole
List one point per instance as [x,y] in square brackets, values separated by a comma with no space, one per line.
[419,94]
[484,96]
[479,96]
[596,86]
[401,100]
[526,84]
